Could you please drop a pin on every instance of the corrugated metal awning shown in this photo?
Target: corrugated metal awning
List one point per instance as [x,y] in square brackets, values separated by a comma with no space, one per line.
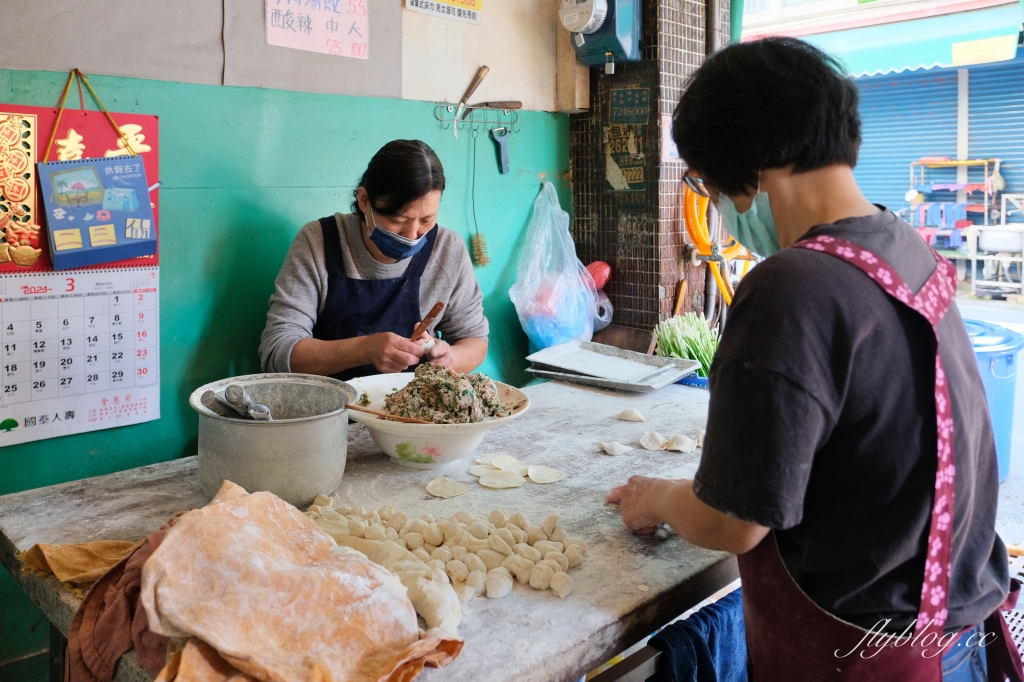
[960,39]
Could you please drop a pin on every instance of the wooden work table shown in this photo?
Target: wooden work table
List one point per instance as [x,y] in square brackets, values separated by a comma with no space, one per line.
[528,635]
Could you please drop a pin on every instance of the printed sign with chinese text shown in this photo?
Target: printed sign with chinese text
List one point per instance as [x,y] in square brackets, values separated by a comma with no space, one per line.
[338,27]
[459,10]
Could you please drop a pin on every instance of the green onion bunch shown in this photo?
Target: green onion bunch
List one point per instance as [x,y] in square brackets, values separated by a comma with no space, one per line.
[687,337]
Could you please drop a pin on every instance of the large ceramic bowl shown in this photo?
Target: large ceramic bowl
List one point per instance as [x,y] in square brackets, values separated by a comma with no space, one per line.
[427,446]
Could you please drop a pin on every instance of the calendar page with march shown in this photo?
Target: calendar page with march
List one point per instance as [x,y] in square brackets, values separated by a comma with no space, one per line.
[80,351]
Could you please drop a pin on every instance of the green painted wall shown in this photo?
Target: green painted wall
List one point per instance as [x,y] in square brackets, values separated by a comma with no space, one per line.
[243,169]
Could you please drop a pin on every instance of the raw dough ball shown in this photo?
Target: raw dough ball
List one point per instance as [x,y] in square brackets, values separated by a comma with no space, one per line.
[397,519]
[652,440]
[357,526]
[681,444]
[427,518]
[372,518]
[545,546]
[312,514]
[459,553]
[446,487]
[630,416]
[386,511]
[498,545]
[517,534]
[561,559]
[553,565]
[420,554]
[478,529]
[429,548]
[519,518]
[498,585]
[498,518]
[501,570]
[391,534]
[549,524]
[466,594]
[477,580]
[401,543]
[324,501]
[332,515]
[475,563]
[474,545]
[481,469]
[575,541]
[506,535]
[450,529]
[502,479]
[456,570]
[417,526]
[413,540]
[574,555]
[375,532]
[522,568]
[539,473]
[332,528]
[540,577]
[561,585]
[527,552]
[438,575]
[432,534]
[464,517]
[436,564]
[442,554]
[507,562]
[490,558]
[558,534]
[511,464]
[358,511]
[535,534]
[614,447]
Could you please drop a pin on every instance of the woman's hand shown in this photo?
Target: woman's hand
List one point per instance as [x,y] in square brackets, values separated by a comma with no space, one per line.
[391,353]
[635,503]
[440,354]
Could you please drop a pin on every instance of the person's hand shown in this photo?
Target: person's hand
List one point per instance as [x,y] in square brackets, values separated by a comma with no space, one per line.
[391,353]
[440,354]
[634,500]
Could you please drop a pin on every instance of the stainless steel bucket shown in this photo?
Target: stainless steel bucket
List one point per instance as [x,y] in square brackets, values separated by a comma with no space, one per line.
[297,456]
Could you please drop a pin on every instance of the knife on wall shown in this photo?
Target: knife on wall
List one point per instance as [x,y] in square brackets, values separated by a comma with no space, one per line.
[473,85]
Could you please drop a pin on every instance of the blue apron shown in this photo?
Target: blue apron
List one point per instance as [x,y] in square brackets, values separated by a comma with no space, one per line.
[360,307]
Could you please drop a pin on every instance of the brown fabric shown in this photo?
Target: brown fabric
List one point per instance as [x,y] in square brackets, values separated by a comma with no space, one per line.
[259,582]
[77,566]
[109,623]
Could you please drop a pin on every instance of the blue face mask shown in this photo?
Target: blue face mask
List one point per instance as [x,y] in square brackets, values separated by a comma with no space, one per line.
[754,228]
[394,245]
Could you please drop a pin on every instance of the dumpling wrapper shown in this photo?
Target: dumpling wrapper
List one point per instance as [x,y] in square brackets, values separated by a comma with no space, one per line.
[481,469]
[487,459]
[652,440]
[509,463]
[681,444]
[539,473]
[630,416]
[700,438]
[614,447]
[502,479]
[446,487]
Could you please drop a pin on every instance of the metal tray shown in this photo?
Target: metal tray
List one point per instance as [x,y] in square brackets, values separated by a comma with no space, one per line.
[595,364]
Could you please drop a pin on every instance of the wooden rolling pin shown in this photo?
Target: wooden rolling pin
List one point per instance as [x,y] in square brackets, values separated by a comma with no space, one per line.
[385,415]
[427,321]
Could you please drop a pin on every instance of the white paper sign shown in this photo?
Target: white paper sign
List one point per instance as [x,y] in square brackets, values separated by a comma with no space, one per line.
[338,27]
[80,352]
[459,10]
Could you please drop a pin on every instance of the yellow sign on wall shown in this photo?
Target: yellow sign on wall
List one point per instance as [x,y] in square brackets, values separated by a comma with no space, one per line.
[459,10]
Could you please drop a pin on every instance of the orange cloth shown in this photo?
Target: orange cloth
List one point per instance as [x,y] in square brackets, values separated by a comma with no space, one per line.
[200,662]
[77,566]
[259,582]
[109,621]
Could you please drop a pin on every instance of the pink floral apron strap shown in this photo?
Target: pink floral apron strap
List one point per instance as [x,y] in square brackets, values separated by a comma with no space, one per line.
[931,302]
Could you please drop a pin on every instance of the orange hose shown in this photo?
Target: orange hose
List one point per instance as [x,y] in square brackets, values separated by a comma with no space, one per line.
[721,285]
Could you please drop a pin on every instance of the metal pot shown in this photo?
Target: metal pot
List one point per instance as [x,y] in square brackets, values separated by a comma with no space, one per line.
[297,456]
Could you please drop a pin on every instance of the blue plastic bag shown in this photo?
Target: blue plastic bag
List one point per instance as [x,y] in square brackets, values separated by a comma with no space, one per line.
[554,294]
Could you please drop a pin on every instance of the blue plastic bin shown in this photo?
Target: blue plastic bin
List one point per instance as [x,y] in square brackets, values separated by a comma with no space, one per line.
[996,350]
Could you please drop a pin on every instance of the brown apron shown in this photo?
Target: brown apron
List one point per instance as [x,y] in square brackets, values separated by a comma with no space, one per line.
[790,637]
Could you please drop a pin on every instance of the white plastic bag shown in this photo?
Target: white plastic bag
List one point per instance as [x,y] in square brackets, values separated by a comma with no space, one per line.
[554,295]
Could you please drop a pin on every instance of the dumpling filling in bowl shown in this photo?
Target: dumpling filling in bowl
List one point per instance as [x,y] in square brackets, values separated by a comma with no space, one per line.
[441,396]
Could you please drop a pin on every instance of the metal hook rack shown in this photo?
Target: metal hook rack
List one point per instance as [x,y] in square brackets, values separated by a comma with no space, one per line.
[477,119]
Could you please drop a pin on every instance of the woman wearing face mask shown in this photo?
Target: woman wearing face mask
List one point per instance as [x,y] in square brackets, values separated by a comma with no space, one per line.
[861,491]
[354,286]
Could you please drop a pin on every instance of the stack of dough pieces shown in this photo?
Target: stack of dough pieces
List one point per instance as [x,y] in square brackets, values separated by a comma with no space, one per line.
[504,471]
[473,556]
[258,586]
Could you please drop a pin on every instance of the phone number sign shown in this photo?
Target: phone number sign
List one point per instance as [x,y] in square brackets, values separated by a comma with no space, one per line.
[338,27]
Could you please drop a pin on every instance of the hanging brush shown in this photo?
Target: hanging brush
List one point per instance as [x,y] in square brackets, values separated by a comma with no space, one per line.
[477,244]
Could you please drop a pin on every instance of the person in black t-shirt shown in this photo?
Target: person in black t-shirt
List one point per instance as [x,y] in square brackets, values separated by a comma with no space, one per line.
[821,428]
